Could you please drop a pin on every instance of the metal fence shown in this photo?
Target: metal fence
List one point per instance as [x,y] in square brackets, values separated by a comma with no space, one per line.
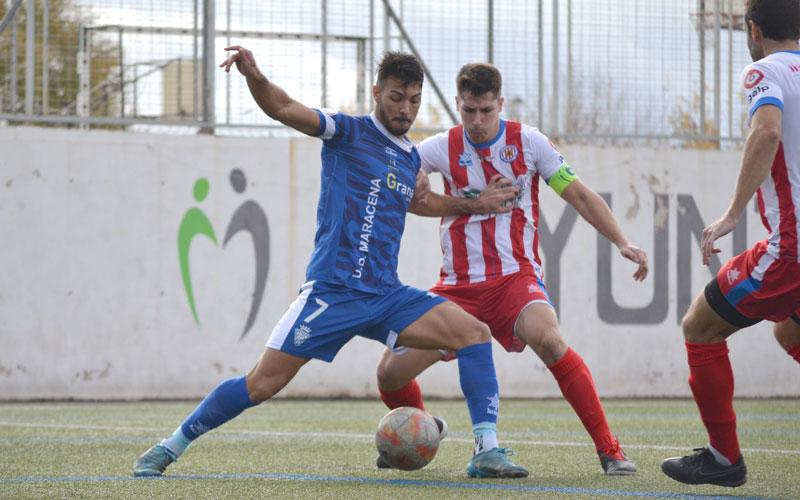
[582,70]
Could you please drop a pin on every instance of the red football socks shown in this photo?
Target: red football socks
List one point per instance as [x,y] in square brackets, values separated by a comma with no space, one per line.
[795,353]
[578,387]
[408,395]
[711,380]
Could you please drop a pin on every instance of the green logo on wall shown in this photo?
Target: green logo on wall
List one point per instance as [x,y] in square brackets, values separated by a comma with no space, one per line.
[249,217]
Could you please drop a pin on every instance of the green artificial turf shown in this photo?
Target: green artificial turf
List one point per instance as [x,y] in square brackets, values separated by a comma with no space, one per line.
[325,449]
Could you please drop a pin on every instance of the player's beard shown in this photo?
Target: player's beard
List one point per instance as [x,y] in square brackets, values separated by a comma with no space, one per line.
[397,125]
[756,52]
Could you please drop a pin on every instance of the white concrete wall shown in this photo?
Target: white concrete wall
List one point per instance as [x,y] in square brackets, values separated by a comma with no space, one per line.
[92,304]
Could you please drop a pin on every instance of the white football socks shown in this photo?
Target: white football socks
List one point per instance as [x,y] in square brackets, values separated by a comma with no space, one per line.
[485,437]
[176,443]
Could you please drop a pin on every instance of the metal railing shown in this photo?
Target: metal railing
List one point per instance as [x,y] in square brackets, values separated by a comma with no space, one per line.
[623,71]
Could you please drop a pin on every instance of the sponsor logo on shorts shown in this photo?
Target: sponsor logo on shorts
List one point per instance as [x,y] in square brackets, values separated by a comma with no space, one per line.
[301,334]
[733,275]
[531,288]
[509,153]
[752,78]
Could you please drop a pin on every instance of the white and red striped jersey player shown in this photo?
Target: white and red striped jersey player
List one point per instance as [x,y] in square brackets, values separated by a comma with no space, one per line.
[761,283]
[775,80]
[484,247]
[491,264]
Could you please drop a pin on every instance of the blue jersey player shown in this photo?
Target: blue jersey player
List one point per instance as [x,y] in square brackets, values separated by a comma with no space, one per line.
[369,182]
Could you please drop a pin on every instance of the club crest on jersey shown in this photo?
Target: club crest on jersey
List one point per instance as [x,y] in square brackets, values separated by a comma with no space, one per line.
[509,153]
[752,78]
[465,159]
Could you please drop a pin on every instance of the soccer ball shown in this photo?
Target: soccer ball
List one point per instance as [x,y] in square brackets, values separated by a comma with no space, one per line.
[407,438]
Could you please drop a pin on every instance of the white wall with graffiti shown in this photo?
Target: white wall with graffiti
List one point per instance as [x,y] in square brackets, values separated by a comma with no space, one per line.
[147,266]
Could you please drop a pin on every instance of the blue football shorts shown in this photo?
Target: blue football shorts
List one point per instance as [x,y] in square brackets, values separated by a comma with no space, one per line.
[324,317]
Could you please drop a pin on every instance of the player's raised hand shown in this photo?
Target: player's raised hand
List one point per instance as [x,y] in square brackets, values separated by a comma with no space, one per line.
[637,255]
[498,195]
[243,59]
[712,233]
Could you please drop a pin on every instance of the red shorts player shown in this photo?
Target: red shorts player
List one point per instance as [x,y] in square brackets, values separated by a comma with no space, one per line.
[491,266]
[763,282]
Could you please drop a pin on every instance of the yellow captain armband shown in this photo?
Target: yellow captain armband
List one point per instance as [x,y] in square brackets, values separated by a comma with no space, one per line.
[563,177]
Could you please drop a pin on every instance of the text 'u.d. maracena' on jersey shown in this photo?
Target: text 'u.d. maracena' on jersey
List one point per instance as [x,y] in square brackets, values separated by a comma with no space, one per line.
[368,179]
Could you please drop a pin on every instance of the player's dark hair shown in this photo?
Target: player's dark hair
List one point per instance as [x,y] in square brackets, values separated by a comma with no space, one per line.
[478,79]
[403,66]
[778,19]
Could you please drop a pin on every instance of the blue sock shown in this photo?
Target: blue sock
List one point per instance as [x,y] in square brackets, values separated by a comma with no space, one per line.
[479,385]
[226,401]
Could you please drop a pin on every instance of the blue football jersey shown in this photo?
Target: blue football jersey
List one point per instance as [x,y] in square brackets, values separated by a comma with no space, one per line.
[368,179]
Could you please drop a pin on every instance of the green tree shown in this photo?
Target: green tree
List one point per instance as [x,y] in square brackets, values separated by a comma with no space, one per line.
[65,19]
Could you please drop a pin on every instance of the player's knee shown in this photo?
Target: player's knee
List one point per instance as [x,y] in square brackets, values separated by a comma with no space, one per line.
[696,330]
[545,341]
[553,346]
[389,379]
[787,335]
[692,331]
[475,332]
[779,334]
[481,333]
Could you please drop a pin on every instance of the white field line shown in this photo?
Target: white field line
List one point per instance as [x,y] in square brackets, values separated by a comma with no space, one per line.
[370,437]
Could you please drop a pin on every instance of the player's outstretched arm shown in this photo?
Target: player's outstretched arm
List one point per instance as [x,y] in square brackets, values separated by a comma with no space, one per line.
[275,102]
[597,213]
[495,199]
[759,152]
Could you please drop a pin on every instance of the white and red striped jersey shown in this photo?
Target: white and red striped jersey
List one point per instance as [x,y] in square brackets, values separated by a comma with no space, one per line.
[775,80]
[483,247]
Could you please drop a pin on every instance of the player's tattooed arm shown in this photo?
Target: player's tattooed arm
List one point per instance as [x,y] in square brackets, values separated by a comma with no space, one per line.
[497,198]
[273,100]
[597,213]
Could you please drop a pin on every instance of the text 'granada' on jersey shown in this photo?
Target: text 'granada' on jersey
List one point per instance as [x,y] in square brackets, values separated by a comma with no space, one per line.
[368,179]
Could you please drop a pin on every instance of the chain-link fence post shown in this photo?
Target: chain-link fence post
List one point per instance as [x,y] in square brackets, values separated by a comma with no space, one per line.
[84,72]
[554,118]
[209,39]
[717,70]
